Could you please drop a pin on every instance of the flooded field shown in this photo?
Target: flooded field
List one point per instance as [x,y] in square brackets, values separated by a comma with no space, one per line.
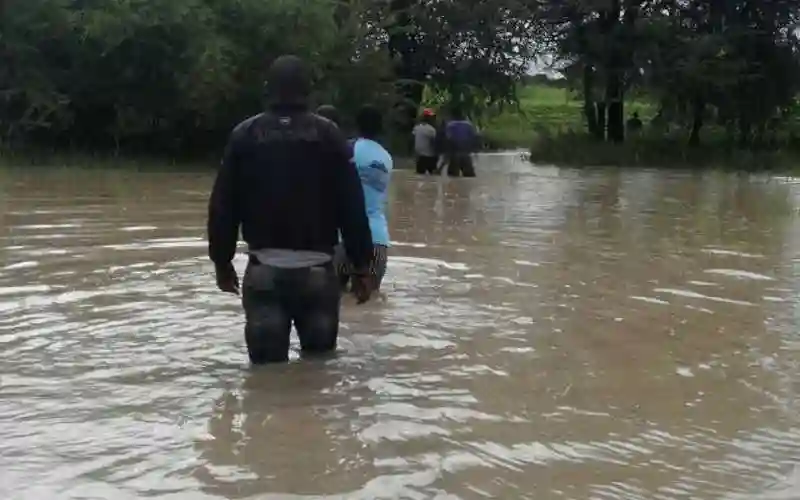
[545,334]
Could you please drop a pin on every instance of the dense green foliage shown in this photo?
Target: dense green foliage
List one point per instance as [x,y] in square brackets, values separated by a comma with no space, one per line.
[732,64]
[175,75]
[168,74]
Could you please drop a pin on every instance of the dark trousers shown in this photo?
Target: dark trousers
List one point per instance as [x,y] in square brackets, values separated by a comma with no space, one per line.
[274,298]
[377,266]
[460,164]
[427,164]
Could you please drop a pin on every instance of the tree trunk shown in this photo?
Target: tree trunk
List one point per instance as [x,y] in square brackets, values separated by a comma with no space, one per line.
[698,110]
[409,71]
[614,67]
[616,110]
[601,120]
[589,110]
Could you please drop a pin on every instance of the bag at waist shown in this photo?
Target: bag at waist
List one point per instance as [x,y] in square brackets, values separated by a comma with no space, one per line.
[289,259]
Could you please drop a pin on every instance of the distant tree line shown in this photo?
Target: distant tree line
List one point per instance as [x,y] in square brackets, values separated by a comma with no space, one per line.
[733,64]
[175,75]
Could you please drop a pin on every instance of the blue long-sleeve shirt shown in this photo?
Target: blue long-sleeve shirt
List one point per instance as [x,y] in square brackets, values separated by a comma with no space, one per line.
[374,165]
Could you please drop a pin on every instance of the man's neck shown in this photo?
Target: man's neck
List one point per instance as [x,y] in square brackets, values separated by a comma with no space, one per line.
[288,107]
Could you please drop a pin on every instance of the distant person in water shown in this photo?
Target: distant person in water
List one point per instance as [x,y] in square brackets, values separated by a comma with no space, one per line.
[425,143]
[287,181]
[461,141]
[634,124]
[374,165]
[331,113]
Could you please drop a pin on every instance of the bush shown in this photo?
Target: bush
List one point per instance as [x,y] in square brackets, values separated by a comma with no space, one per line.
[171,75]
[580,149]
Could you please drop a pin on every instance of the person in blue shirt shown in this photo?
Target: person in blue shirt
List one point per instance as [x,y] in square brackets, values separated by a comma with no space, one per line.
[461,141]
[374,165]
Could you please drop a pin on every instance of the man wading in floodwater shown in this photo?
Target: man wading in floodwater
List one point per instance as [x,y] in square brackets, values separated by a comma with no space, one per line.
[461,141]
[287,179]
[374,165]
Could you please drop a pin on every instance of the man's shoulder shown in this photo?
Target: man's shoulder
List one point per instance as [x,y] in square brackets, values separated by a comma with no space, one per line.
[312,118]
[242,128]
[306,124]
[324,124]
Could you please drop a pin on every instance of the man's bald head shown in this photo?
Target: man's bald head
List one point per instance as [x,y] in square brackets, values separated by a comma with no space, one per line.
[288,80]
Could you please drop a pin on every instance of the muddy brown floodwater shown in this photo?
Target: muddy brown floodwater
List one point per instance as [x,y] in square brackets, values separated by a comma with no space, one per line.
[545,334]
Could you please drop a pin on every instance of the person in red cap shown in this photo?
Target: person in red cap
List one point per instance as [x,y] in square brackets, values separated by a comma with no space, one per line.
[425,143]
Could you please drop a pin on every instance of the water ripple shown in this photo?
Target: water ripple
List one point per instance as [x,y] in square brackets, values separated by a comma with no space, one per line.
[543,333]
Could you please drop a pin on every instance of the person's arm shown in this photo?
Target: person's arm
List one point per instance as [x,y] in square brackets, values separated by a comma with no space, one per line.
[477,139]
[351,209]
[224,214]
[376,175]
[433,139]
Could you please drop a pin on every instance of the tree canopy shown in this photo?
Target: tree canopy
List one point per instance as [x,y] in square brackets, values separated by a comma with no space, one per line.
[173,74]
[736,61]
[176,75]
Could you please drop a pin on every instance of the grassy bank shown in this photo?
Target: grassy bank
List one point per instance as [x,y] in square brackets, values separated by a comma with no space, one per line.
[550,119]
[542,107]
[580,149]
[553,108]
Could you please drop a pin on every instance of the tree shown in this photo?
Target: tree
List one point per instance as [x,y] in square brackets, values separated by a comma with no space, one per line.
[735,58]
[170,74]
[474,50]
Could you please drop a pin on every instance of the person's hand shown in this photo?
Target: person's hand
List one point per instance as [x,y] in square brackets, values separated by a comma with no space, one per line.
[227,280]
[362,286]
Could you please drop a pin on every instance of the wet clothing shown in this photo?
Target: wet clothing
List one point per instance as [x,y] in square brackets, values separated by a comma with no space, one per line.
[263,187]
[275,297]
[374,165]
[460,164]
[377,267]
[427,164]
[287,180]
[461,142]
[425,148]
[461,136]
[424,140]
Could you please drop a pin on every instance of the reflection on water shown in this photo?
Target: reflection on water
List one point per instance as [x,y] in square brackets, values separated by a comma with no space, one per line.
[546,333]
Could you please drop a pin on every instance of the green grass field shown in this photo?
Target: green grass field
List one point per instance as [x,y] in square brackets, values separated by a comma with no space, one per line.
[558,113]
[555,109]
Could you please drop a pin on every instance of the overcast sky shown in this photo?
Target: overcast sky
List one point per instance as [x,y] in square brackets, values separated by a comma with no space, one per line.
[542,67]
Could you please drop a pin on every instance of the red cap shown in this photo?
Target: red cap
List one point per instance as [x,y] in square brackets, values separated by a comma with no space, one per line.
[428,112]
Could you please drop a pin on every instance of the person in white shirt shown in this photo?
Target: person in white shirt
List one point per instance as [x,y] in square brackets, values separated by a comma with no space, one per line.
[425,143]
